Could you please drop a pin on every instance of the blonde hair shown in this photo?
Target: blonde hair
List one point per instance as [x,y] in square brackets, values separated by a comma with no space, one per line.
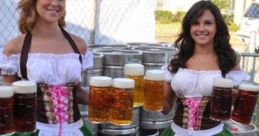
[29,15]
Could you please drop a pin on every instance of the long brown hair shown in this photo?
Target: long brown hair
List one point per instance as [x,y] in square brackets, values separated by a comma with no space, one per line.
[226,55]
[29,15]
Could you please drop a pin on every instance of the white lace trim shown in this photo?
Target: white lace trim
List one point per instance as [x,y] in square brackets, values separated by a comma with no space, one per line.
[72,129]
[179,131]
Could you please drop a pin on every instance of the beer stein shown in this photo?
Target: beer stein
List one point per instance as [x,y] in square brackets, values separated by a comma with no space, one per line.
[245,103]
[25,106]
[6,110]
[154,90]
[122,106]
[221,99]
[135,71]
[99,99]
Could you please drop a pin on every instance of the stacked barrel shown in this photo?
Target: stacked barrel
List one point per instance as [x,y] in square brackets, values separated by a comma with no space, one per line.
[118,62]
[17,108]
[154,57]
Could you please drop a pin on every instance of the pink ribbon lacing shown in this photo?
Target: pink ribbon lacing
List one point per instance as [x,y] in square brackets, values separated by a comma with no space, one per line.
[193,108]
[60,102]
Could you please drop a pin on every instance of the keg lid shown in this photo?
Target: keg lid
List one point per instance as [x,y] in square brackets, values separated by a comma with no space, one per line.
[249,86]
[24,87]
[156,75]
[100,81]
[134,69]
[222,82]
[123,83]
[6,91]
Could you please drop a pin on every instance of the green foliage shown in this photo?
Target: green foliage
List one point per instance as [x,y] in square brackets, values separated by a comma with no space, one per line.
[166,17]
[163,16]
[178,17]
[222,4]
[233,27]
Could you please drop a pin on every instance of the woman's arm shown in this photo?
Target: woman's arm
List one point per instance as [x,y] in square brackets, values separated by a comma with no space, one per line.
[13,46]
[82,95]
[169,97]
[9,79]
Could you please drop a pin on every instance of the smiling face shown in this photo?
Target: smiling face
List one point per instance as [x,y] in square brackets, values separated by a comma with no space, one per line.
[50,11]
[203,30]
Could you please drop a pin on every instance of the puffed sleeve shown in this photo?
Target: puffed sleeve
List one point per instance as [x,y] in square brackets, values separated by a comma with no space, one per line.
[238,76]
[168,74]
[9,65]
[87,60]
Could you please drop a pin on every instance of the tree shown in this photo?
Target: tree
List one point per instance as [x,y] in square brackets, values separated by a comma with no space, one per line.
[222,4]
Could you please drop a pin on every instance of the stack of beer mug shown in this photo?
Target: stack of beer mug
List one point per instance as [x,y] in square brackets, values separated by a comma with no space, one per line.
[99,99]
[244,106]
[111,103]
[136,71]
[18,108]
[153,90]
[246,101]
[6,110]
[151,117]
[221,100]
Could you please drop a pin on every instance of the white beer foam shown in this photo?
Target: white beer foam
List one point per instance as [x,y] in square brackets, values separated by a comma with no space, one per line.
[6,91]
[156,75]
[134,69]
[123,83]
[24,87]
[100,81]
[249,87]
[222,82]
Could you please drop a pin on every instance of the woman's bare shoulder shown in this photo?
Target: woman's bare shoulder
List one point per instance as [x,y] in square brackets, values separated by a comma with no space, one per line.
[14,46]
[81,44]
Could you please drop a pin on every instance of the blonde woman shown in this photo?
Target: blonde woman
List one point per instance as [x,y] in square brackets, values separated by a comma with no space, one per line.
[45,53]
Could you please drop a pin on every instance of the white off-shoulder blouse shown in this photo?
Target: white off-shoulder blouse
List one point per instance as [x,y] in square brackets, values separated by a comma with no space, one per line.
[48,68]
[197,83]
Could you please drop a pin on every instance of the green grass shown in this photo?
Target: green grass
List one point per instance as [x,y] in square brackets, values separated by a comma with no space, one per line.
[172,28]
[169,32]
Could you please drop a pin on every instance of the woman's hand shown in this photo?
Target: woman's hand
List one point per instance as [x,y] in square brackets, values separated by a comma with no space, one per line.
[82,95]
[169,97]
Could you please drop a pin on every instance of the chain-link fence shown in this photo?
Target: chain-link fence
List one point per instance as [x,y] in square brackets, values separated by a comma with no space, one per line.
[79,18]
[114,21]
[97,21]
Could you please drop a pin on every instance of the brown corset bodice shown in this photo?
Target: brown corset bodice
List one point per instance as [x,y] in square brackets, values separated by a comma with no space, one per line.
[181,117]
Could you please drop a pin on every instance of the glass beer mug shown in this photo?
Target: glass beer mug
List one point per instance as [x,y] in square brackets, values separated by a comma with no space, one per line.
[25,106]
[99,99]
[135,71]
[221,99]
[245,103]
[154,90]
[122,106]
[6,110]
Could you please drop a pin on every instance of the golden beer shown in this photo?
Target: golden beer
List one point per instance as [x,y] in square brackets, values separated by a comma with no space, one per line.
[6,110]
[25,101]
[99,99]
[135,71]
[122,106]
[154,90]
